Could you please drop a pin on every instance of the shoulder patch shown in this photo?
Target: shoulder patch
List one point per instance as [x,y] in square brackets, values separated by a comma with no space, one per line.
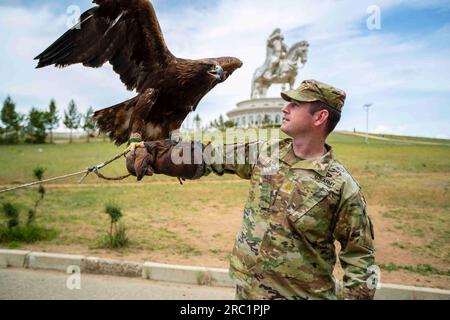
[343,169]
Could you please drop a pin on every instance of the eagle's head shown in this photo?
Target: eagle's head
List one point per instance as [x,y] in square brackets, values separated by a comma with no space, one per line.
[204,76]
[219,69]
[217,72]
[198,77]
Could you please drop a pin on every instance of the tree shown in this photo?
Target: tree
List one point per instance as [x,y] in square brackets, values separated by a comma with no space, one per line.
[89,123]
[219,123]
[230,124]
[53,118]
[36,126]
[2,131]
[72,118]
[38,173]
[197,122]
[12,121]
[267,122]
[222,125]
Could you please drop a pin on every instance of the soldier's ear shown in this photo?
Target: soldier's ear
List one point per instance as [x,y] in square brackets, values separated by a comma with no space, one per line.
[321,117]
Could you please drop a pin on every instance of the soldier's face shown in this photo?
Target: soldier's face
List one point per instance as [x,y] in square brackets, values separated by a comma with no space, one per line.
[297,120]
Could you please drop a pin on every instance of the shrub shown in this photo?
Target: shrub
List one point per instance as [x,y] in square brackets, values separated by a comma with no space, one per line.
[117,236]
[12,215]
[14,232]
[117,240]
[28,233]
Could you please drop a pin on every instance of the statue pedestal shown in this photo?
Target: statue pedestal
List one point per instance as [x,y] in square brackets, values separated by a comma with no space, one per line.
[251,113]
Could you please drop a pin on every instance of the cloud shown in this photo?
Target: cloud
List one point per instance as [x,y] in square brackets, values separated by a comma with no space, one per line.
[25,33]
[400,73]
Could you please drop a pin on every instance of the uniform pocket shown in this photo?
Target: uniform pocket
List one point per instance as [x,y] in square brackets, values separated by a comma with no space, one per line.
[310,215]
[301,201]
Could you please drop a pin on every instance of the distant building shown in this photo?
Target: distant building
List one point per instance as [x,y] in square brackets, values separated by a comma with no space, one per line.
[251,113]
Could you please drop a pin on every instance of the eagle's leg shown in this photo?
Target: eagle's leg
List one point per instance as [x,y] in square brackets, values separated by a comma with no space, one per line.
[134,142]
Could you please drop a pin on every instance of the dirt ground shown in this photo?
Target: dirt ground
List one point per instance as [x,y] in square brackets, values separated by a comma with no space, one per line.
[214,245]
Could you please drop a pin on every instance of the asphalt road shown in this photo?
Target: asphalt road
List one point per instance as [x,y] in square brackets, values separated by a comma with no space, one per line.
[29,284]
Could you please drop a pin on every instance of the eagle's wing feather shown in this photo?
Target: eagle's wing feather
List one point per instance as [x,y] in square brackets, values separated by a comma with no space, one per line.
[124,32]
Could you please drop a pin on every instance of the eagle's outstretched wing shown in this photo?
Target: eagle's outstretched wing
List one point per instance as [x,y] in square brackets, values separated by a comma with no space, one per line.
[124,32]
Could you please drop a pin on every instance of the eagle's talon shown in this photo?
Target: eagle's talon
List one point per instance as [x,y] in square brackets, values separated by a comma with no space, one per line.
[133,146]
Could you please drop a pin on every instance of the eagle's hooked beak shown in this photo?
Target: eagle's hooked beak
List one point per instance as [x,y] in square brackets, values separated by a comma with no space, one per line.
[218,73]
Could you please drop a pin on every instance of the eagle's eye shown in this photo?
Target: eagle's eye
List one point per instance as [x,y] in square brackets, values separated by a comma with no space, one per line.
[217,72]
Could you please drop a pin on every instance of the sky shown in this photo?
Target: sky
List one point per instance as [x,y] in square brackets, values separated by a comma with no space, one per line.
[401,67]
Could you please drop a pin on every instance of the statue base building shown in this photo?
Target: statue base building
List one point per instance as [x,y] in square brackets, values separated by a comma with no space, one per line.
[256,112]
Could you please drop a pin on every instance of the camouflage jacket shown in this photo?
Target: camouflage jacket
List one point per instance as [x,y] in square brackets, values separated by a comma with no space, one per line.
[295,211]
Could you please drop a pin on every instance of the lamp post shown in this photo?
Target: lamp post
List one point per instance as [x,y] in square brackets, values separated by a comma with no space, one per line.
[367,107]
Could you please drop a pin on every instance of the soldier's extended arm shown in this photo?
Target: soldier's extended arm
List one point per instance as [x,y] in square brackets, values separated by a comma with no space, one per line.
[192,160]
[354,231]
[238,158]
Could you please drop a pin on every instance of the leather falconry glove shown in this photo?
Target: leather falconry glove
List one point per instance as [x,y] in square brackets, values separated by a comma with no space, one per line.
[182,160]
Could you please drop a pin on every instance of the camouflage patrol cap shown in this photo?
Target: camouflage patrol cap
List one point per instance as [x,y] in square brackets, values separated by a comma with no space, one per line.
[313,90]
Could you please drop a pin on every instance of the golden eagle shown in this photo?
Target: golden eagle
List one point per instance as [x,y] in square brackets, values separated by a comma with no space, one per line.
[127,34]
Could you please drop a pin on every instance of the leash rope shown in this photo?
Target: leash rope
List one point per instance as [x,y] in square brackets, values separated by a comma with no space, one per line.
[94,169]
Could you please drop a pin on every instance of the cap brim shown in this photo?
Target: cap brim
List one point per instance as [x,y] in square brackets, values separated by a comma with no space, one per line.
[297,96]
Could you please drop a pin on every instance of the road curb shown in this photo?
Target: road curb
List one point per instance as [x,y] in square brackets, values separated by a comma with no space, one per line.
[52,261]
[96,265]
[390,291]
[175,273]
[13,258]
[187,274]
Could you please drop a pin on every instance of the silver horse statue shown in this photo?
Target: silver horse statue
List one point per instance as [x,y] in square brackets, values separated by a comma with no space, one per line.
[281,65]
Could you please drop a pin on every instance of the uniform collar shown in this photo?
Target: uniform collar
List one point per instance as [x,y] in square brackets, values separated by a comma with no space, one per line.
[320,165]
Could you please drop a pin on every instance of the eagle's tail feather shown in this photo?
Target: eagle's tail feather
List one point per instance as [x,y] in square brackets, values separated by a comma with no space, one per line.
[117,120]
[114,121]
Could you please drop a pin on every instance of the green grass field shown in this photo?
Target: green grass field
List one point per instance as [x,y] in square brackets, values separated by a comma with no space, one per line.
[406,185]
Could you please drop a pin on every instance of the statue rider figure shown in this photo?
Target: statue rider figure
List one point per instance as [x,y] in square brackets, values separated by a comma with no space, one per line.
[279,52]
[280,65]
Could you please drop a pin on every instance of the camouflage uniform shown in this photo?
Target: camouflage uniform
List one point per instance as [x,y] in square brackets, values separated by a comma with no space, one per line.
[295,211]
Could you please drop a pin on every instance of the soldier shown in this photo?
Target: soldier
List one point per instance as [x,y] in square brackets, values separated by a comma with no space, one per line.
[301,200]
